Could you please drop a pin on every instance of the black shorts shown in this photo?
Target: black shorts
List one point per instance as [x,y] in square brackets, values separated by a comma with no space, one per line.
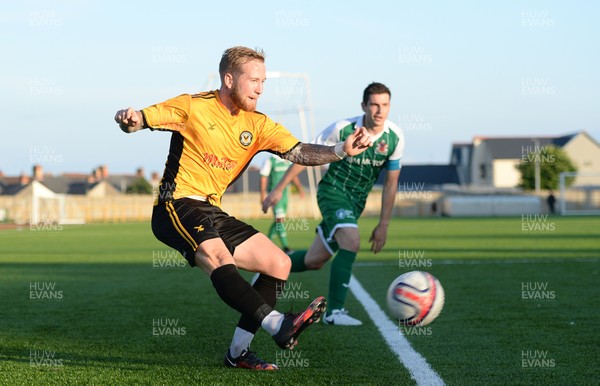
[185,223]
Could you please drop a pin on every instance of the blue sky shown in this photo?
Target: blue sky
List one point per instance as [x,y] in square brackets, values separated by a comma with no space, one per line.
[457,69]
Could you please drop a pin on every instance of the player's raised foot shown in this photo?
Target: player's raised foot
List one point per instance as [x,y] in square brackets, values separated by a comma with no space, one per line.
[248,360]
[294,323]
[341,318]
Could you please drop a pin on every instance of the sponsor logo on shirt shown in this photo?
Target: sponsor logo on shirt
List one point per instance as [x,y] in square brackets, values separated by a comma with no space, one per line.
[219,163]
[343,214]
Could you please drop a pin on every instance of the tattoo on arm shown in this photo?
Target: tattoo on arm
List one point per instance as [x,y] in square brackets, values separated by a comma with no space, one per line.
[309,154]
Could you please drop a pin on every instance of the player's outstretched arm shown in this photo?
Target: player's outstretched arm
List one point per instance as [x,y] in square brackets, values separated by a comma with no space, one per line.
[275,195]
[130,120]
[309,154]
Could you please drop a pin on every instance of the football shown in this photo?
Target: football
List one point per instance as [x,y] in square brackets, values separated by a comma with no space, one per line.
[415,298]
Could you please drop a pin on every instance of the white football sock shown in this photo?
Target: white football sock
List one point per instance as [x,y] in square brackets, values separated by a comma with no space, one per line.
[240,342]
[272,322]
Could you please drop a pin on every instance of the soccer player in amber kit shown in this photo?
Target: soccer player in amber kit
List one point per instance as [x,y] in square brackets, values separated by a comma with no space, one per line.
[214,136]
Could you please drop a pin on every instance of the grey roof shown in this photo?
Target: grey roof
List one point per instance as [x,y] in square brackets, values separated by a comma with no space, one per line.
[121,182]
[428,175]
[512,148]
[562,141]
[69,185]
[11,189]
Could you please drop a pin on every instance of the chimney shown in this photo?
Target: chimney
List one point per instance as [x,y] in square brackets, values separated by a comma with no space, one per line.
[24,179]
[1,174]
[97,174]
[155,176]
[38,173]
[103,171]
[140,172]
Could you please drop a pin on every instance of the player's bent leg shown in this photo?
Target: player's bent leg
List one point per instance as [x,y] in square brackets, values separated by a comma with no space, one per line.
[212,254]
[214,258]
[348,238]
[317,255]
[259,254]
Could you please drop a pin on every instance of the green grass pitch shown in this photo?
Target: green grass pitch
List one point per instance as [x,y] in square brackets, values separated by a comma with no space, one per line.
[108,304]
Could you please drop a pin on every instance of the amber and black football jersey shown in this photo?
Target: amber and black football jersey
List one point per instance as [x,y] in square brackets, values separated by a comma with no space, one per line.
[210,147]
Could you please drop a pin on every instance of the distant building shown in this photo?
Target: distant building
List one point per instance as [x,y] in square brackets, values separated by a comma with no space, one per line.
[492,162]
[99,183]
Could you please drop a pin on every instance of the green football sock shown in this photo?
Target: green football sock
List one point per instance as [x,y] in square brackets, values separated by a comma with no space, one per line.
[297,258]
[272,230]
[339,278]
[282,233]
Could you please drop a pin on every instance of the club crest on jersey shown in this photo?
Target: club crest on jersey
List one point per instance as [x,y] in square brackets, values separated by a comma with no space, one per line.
[382,148]
[246,138]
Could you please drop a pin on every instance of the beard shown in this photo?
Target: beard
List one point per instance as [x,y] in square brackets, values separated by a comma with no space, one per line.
[239,101]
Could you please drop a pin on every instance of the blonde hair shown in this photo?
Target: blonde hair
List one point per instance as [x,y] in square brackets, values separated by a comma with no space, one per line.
[233,58]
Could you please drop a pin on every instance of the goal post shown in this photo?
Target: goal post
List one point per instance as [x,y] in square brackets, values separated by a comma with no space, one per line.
[48,207]
[579,193]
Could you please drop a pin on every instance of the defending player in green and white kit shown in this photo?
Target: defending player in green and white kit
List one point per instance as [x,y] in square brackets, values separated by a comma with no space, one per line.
[342,194]
[271,173]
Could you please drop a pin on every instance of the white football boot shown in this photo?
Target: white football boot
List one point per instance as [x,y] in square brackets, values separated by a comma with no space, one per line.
[341,318]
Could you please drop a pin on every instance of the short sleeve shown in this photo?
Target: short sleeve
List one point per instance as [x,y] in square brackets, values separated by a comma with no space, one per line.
[170,115]
[276,138]
[265,170]
[330,136]
[394,160]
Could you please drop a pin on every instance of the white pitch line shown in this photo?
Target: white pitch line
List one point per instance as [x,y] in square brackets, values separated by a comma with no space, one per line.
[417,366]
[479,262]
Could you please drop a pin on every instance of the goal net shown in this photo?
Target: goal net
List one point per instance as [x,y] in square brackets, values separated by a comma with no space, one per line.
[579,193]
[49,208]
